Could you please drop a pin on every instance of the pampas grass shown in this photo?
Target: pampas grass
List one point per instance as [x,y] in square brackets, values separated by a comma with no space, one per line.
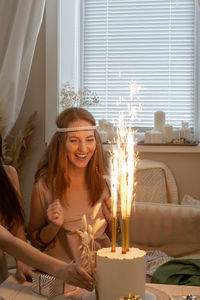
[95,211]
[87,236]
[15,153]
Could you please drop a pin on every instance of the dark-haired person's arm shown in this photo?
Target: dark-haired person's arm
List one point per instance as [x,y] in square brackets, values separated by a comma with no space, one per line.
[22,270]
[71,273]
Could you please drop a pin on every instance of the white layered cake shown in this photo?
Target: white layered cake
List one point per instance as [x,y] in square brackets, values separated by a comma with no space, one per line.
[119,274]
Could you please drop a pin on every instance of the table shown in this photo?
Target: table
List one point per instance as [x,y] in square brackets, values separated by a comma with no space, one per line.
[11,289]
[175,290]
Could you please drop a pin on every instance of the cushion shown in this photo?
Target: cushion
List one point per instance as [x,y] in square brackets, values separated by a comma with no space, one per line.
[155,179]
[150,186]
[172,228]
[187,199]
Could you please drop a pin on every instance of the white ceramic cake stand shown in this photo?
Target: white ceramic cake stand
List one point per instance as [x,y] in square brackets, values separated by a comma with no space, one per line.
[153,294]
[150,296]
[91,296]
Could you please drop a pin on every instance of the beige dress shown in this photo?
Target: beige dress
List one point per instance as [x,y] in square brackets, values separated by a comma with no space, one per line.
[66,244]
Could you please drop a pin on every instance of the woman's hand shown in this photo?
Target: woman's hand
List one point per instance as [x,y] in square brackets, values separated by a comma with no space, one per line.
[76,275]
[23,272]
[55,213]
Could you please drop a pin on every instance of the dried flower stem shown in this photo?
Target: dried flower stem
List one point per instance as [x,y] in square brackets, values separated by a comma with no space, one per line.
[17,152]
[70,98]
[88,242]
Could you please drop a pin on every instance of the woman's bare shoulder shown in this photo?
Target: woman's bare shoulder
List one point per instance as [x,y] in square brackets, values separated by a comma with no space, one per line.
[13,176]
[9,168]
[4,236]
[11,171]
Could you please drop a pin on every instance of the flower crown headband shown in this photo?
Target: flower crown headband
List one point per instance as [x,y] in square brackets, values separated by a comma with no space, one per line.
[70,129]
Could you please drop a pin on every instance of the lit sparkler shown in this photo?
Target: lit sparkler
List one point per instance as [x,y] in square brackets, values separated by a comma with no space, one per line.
[114,193]
[122,171]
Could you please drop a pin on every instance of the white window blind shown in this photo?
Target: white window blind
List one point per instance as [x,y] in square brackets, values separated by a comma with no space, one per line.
[148,44]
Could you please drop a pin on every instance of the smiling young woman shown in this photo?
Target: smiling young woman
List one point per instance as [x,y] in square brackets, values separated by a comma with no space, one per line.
[69,181]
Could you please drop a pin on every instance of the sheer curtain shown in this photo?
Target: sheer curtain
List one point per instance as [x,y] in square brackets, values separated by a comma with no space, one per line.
[20,22]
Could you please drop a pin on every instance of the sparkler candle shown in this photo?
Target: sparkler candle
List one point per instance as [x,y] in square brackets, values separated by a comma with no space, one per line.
[114,233]
[127,233]
[124,236]
[126,167]
[122,191]
[114,196]
[122,179]
[130,182]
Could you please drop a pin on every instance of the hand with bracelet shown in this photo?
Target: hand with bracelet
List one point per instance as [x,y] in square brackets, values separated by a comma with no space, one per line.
[71,273]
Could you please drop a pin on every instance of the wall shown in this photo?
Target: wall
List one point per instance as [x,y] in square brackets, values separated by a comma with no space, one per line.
[184,166]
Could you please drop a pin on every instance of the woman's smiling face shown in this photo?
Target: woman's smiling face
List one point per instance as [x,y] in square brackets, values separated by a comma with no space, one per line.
[80,145]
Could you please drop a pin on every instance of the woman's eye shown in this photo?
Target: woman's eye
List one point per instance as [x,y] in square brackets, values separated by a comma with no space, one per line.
[90,140]
[73,141]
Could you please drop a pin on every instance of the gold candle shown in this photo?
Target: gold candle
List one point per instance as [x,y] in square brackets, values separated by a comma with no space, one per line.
[114,233]
[123,235]
[114,197]
[127,233]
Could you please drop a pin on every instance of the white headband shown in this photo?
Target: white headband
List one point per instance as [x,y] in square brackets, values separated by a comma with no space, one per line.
[82,128]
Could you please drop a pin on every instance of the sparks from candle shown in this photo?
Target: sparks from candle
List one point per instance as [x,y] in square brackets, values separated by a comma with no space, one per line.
[134,89]
[123,161]
[131,170]
[134,107]
[126,169]
[122,170]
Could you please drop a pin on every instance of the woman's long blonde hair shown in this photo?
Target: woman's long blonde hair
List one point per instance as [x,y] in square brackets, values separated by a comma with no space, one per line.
[53,166]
